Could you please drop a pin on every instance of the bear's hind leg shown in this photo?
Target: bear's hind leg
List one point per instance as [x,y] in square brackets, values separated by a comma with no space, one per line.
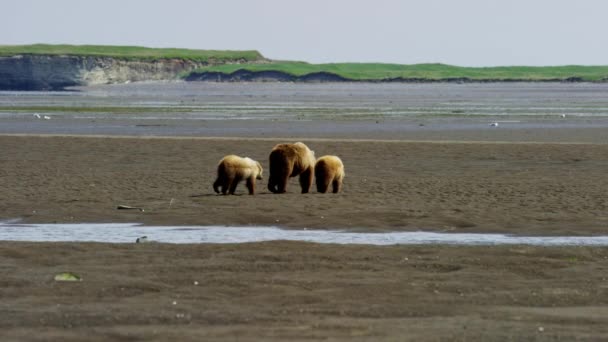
[227,184]
[228,180]
[220,181]
[217,184]
[337,185]
[322,184]
[279,175]
[283,178]
[306,180]
[272,185]
[278,180]
[233,185]
[282,186]
[321,179]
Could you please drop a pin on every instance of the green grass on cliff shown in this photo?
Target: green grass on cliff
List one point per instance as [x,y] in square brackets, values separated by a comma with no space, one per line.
[130,52]
[378,71]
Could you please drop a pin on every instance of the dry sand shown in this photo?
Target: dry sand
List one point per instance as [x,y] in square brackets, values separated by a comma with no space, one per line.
[302,291]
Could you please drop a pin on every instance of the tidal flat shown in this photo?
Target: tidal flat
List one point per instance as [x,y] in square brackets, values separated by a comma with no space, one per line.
[539,172]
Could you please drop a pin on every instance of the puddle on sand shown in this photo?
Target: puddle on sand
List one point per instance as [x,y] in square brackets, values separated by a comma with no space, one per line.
[129,232]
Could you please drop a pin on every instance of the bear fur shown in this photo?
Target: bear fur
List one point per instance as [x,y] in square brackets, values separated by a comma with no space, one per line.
[290,160]
[233,169]
[329,170]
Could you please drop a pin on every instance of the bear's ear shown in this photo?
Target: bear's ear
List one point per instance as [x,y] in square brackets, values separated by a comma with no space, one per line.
[313,152]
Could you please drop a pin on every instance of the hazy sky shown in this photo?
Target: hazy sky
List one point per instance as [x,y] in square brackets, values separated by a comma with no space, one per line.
[460,32]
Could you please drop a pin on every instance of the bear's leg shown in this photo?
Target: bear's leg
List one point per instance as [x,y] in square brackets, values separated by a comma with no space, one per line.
[272,185]
[322,183]
[227,184]
[282,177]
[216,185]
[337,185]
[228,180]
[233,185]
[282,185]
[321,179]
[306,180]
[251,185]
[277,183]
[221,178]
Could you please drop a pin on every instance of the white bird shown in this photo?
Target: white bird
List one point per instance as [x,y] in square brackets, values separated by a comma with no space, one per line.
[494,124]
[563,115]
[46,117]
[37,116]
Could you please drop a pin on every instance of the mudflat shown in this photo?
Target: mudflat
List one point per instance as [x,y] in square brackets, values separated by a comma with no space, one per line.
[302,291]
[515,188]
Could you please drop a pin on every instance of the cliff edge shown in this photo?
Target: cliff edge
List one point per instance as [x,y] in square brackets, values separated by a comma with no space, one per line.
[55,67]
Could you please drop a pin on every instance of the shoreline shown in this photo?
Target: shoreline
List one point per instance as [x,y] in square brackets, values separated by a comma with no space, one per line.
[277,138]
[384,131]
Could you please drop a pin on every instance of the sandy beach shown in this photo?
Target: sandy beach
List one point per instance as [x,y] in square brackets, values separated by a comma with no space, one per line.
[304,291]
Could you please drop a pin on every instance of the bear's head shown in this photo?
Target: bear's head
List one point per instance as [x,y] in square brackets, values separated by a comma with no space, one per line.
[260,170]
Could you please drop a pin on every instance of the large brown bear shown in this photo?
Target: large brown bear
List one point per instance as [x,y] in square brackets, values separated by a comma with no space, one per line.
[329,170]
[233,169]
[290,160]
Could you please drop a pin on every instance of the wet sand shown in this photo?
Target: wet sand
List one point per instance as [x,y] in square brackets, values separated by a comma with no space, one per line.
[297,291]
[281,291]
[526,189]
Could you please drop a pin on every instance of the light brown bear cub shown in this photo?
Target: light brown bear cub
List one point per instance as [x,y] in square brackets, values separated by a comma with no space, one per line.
[233,169]
[290,160]
[329,170]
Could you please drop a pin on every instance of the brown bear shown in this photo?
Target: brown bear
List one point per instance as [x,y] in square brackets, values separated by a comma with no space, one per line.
[232,169]
[329,170]
[290,160]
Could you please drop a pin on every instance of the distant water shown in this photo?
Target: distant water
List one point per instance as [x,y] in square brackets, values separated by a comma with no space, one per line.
[267,101]
[327,110]
[129,232]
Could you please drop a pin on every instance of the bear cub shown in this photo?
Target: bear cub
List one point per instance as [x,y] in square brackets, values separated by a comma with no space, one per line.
[329,170]
[233,169]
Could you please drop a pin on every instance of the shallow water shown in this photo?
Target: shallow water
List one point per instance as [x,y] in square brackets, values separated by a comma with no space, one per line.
[328,99]
[218,109]
[129,232]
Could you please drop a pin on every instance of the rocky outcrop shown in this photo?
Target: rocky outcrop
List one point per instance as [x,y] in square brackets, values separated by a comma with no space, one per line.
[41,72]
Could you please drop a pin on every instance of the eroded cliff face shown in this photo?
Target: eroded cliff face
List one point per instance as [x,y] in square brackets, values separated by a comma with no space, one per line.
[37,72]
